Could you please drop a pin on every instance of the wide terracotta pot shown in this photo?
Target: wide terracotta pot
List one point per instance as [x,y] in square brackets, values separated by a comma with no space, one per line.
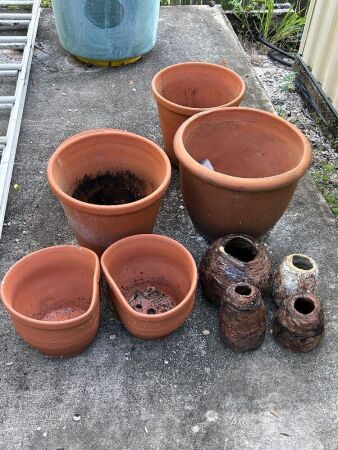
[136,263]
[53,298]
[258,159]
[93,153]
[185,89]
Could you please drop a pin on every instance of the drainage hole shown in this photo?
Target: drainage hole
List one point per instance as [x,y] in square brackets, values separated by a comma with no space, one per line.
[138,306]
[151,311]
[304,305]
[302,262]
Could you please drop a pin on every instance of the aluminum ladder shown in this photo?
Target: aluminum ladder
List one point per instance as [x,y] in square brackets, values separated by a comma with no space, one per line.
[17,16]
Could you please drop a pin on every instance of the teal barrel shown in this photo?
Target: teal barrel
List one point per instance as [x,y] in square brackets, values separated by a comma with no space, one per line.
[107,32]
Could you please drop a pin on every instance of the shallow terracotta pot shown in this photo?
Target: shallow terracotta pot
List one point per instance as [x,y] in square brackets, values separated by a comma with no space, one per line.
[95,152]
[53,298]
[297,274]
[258,159]
[185,89]
[137,262]
[299,324]
[242,317]
[233,259]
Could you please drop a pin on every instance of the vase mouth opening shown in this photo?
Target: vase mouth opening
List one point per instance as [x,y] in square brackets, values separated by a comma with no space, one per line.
[241,249]
[304,305]
[302,262]
[243,290]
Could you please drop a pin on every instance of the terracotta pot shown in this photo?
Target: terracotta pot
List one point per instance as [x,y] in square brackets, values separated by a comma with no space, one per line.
[258,158]
[53,298]
[242,318]
[93,153]
[296,275]
[299,324]
[183,90]
[232,259]
[137,263]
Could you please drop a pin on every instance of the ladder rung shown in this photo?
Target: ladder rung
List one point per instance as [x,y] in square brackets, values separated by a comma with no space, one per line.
[13,39]
[15,17]
[5,106]
[8,73]
[10,66]
[6,99]
[15,2]
[3,140]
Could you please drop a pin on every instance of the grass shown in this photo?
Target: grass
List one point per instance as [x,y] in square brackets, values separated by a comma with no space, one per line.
[326,178]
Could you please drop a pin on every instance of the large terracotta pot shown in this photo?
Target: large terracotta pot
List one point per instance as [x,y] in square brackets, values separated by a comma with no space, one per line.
[185,89]
[134,264]
[258,159]
[95,152]
[53,298]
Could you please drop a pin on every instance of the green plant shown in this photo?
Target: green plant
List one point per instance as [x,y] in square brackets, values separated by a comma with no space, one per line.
[288,82]
[326,178]
[46,3]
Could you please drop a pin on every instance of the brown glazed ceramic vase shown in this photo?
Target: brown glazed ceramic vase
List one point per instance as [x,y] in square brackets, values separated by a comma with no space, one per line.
[185,89]
[98,151]
[137,262]
[296,275]
[299,324]
[258,159]
[242,318]
[53,298]
[232,259]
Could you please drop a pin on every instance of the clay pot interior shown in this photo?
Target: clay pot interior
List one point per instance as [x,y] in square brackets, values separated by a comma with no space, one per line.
[241,248]
[303,305]
[199,85]
[138,265]
[243,144]
[128,172]
[52,285]
[302,262]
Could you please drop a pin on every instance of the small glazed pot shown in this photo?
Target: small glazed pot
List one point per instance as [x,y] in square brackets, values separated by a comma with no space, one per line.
[147,262]
[299,324]
[53,298]
[185,89]
[297,274]
[233,259]
[93,153]
[258,159]
[242,318]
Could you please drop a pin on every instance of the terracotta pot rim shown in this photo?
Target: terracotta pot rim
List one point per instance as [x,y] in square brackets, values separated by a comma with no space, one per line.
[55,324]
[152,237]
[189,111]
[104,210]
[238,183]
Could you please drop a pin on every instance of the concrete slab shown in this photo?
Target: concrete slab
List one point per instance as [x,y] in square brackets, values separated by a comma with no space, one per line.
[127,396]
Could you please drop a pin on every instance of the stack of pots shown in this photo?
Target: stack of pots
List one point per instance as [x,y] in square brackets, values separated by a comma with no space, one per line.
[254,161]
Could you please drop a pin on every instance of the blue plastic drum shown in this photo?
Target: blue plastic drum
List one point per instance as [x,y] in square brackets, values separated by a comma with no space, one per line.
[107,32]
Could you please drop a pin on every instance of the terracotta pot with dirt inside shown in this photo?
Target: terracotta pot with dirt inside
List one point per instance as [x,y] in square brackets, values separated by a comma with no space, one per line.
[53,298]
[152,281]
[257,159]
[185,89]
[110,184]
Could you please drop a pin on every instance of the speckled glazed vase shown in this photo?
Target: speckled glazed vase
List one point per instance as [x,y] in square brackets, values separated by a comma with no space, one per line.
[258,159]
[137,263]
[242,318]
[299,324]
[185,89]
[297,274]
[53,298]
[232,259]
[95,152]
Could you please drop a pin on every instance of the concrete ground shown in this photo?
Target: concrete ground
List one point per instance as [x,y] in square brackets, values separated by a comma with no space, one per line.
[186,391]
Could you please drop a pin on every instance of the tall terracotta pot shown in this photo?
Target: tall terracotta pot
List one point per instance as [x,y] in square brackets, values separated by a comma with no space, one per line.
[185,89]
[136,263]
[98,151]
[258,159]
[53,298]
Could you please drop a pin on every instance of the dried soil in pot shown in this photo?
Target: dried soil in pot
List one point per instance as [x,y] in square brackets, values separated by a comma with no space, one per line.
[233,259]
[151,300]
[110,188]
